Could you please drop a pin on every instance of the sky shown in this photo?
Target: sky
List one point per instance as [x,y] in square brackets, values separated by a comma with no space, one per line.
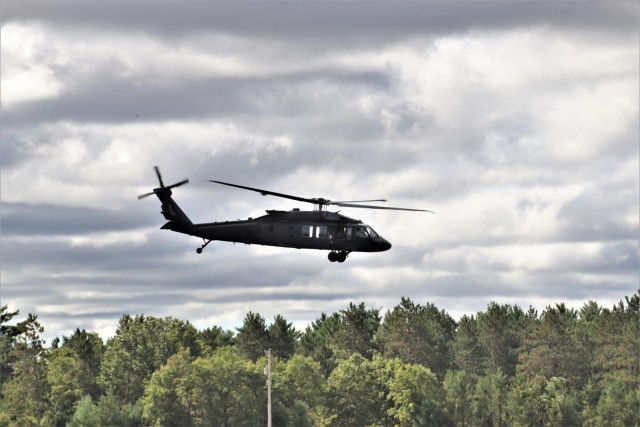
[516,122]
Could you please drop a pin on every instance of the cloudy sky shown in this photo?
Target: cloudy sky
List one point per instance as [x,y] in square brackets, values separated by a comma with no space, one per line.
[517,122]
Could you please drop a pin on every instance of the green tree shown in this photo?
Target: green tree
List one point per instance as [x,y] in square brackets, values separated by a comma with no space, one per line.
[589,396]
[538,401]
[72,373]
[585,340]
[299,415]
[214,338]
[499,333]
[26,393]
[89,349]
[415,396]
[301,384]
[112,412]
[317,342]
[618,407]
[8,334]
[252,339]
[282,338]
[560,402]
[224,390]
[356,332]
[489,407]
[459,387]
[618,341]
[418,334]
[523,402]
[64,377]
[468,353]
[86,414]
[551,347]
[165,400]
[141,346]
[357,393]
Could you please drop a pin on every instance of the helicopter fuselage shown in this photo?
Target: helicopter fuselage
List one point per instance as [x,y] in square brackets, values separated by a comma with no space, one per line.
[321,230]
[317,229]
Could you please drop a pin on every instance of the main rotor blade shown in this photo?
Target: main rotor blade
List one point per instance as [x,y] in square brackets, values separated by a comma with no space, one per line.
[268,193]
[357,201]
[350,205]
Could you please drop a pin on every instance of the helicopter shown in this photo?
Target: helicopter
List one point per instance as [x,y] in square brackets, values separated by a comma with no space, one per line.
[317,229]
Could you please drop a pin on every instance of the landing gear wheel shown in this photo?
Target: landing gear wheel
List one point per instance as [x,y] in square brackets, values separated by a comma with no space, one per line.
[337,256]
[199,250]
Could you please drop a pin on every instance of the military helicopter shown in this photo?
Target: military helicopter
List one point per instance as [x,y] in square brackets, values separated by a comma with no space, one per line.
[316,229]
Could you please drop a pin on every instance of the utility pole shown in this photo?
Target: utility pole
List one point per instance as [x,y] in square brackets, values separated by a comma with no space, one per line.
[267,372]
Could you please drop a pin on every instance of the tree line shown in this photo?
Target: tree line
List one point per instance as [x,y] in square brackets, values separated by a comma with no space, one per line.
[412,365]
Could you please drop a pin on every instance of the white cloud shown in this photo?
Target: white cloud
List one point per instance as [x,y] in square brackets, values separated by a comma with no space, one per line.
[79,160]
[531,258]
[586,121]
[523,82]
[101,240]
[27,65]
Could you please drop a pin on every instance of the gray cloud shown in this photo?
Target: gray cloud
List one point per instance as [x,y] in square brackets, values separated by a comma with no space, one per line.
[41,220]
[105,97]
[319,20]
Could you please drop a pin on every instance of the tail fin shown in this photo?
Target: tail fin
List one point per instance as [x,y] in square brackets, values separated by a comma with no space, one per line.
[171,210]
[178,220]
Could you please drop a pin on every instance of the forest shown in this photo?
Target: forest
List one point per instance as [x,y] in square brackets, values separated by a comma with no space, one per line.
[413,365]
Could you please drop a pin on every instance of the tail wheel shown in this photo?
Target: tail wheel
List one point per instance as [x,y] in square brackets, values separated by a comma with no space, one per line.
[204,245]
[337,256]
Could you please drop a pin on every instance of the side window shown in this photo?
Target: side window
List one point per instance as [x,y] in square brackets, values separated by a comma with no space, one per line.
[318,232]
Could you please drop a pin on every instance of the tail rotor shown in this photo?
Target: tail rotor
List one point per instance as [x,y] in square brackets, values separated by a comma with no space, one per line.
[162,188]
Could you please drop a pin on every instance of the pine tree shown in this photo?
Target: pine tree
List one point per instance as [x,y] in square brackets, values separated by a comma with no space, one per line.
[252,339]
[419,334]
[282,338]
[356,332]
[26,393]
[317,341]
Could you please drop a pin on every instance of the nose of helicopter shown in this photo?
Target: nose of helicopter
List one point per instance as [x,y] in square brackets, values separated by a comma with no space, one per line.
[384,245]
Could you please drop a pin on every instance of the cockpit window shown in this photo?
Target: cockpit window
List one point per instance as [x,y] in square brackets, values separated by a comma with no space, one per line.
[366,233]
[362,232]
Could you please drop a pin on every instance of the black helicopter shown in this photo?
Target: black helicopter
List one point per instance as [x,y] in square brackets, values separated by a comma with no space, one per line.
[317,229]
